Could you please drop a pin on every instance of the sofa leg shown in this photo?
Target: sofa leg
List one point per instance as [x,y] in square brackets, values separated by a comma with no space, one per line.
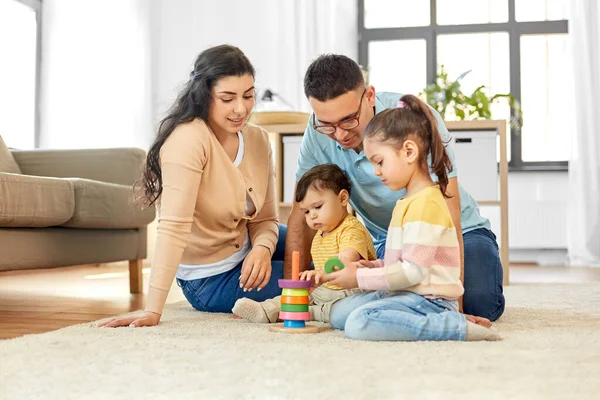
[135,276]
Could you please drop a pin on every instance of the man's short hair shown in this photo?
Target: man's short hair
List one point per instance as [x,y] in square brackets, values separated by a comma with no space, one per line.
[332,75]
[321,177]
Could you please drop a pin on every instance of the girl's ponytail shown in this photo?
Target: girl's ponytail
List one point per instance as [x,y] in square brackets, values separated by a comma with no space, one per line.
[440,161]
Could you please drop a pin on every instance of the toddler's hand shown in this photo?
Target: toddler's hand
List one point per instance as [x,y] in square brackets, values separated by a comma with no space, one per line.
[316,275]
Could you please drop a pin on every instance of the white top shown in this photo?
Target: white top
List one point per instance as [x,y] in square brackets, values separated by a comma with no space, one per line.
[189,272]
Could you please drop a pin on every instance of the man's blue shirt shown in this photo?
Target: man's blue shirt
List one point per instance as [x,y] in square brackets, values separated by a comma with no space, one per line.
[370,198]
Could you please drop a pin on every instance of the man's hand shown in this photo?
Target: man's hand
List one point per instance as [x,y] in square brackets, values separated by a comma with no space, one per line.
[256,269]
[346,278]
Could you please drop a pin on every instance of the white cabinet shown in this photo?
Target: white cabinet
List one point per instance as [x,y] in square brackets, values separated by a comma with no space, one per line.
[475,160]
[291,152]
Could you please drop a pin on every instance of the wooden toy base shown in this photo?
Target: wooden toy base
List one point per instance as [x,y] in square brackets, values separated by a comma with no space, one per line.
[279,328]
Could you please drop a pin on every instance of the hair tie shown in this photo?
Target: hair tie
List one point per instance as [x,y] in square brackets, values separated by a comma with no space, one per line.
[400,104]
[196,75]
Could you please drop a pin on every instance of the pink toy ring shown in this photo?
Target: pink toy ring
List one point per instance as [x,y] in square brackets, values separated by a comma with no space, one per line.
[294,316]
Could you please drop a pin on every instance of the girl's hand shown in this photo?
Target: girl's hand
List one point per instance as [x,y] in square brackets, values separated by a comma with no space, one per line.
[256,269]
[346,278]
[315,275]
[146,318]
[370,264]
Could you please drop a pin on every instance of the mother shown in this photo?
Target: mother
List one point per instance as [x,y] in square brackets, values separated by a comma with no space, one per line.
[211,177]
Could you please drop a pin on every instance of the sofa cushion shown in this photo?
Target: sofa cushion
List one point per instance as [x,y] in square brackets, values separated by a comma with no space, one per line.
[7,161]
[101,205]
[33,201]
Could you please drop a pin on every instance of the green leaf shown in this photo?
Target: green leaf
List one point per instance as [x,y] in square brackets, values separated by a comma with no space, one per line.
[445,95]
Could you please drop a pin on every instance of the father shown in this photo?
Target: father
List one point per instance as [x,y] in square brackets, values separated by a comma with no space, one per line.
[342,107]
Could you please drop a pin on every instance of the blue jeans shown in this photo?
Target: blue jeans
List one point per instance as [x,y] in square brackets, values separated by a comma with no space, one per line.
[219,293]
[483,274]
[402,316]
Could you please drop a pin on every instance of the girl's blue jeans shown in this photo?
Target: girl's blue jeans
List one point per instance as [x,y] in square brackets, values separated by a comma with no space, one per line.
[483,274]
[402,316]
[219,293]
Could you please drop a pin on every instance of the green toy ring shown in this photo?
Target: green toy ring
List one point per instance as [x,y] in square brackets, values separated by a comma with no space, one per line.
[332,263]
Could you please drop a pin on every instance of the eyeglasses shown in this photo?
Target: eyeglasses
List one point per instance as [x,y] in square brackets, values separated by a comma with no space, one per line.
[348,123]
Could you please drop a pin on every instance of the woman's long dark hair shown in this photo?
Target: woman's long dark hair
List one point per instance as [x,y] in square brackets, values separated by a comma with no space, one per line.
[192,102]
[414,117]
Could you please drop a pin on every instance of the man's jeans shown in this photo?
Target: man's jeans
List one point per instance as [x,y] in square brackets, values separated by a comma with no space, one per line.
[402,316]
[483,274]
[219,293]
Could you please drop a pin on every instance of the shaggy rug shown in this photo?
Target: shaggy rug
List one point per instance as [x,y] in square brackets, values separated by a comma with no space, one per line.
[551,350]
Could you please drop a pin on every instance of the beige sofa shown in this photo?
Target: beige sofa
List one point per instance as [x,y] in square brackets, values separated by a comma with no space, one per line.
[71,207]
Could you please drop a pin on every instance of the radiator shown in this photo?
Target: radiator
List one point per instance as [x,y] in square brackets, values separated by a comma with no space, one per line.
[537,224]
[531,224]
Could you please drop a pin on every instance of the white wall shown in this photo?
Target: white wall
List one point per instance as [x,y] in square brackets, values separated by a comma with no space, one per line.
[95,80]
[279,37]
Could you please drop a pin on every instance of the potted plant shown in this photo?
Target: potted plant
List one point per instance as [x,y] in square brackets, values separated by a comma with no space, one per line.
[449,100]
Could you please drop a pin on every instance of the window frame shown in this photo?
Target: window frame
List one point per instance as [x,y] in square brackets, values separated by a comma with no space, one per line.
[429,33]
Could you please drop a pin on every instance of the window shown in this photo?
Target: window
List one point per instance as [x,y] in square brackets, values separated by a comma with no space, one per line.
[510,46]
[395,13]
[388,70]
[19,46]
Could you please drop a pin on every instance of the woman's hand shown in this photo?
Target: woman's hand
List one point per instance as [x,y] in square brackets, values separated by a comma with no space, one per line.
[346,278]
[256,269]
[145,318]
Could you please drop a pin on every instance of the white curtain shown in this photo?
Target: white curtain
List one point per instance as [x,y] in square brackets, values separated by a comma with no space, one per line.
[280,38]
[583,226]
[96,74]
[309,28]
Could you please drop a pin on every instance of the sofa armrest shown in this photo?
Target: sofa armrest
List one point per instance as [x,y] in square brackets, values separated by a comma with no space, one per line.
[119,165]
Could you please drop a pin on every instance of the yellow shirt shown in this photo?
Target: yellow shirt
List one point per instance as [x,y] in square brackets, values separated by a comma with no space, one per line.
[351,233]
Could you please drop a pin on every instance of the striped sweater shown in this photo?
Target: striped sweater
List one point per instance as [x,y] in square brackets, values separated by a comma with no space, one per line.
[422,252]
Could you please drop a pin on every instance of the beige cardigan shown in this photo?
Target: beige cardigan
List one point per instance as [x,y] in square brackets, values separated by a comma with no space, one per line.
[201,210]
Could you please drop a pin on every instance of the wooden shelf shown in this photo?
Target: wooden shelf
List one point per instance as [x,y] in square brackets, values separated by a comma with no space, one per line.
[490,203]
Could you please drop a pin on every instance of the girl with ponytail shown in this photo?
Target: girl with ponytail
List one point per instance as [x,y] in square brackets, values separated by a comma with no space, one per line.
[418,282]
[412,124]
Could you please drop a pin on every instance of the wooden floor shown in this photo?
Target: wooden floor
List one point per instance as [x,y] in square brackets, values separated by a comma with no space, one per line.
[44,300]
